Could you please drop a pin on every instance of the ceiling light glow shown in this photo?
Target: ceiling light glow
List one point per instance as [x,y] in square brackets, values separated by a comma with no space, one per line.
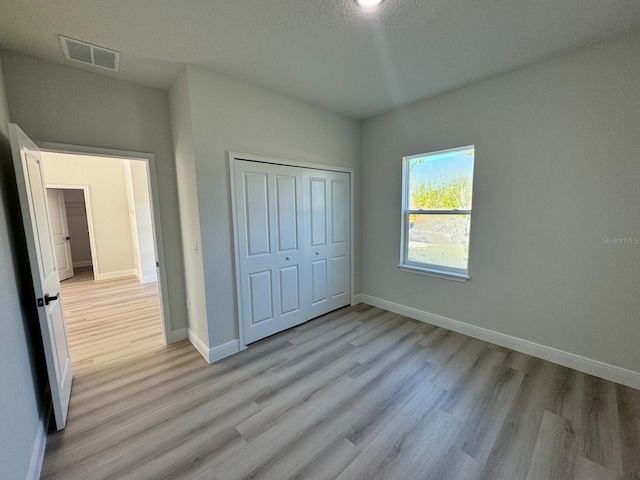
[368,3]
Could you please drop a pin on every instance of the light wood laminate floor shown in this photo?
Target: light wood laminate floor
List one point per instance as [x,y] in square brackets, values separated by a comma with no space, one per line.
[360,393]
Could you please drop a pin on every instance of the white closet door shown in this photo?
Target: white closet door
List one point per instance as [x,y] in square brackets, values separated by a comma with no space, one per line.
[327,241]
[268,200]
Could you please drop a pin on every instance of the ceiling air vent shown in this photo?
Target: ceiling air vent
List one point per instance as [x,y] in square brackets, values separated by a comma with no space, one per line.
[90,54]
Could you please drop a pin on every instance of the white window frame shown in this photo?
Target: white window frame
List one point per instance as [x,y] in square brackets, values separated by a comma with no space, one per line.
[439,271]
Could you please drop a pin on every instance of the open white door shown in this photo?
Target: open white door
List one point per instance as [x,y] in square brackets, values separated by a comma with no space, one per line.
[60,233]
[46,284]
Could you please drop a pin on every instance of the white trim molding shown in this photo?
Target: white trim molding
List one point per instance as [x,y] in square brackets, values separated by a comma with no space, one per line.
[117,274]
[356,299]
[590,366]
[214,354]
[197,342]
[83,263]
[40,443]
[224,350]
[146,278]
[178,335]
[37,454]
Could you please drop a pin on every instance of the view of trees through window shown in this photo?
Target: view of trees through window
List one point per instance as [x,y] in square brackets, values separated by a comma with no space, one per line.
[439,210]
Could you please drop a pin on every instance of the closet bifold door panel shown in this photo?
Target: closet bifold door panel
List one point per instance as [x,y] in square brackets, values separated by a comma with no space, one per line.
[269,217]
[292,229]
[327,244]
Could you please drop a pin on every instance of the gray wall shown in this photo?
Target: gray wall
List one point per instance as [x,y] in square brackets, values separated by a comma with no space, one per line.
[20,394]
[182,131]
[56,103]
[557,169]
[228,115]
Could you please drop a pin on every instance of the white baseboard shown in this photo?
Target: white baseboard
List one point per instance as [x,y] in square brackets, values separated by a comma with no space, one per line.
[356,299]
[214,354]
[224,350]
[571,360]
[83,263]
[116,274]
[178,335]
[39,446]
[147,278]
[201,346]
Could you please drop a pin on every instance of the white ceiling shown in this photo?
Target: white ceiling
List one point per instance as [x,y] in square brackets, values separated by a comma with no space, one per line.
[326,52]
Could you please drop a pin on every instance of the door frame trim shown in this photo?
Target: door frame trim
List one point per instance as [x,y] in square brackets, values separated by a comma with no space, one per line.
[150,161]
[233,156]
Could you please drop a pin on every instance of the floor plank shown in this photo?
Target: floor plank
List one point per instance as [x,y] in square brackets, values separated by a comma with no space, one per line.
[555,448]
[360,393]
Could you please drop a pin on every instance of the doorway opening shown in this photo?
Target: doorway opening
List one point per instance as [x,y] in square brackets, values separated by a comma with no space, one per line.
[104,217]
[71,228]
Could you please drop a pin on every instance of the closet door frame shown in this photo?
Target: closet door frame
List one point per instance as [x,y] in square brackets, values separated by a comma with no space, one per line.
[233,156]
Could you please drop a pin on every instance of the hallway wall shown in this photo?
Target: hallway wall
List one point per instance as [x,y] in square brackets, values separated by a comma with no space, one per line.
[56,103]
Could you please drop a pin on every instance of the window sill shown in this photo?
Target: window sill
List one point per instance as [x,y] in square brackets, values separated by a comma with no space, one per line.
[432,272]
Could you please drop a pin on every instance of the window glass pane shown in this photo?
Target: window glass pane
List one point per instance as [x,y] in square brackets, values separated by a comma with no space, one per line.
[439,239]
[441,181]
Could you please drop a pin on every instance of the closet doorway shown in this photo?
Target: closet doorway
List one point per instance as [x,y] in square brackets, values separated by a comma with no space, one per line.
[293,242]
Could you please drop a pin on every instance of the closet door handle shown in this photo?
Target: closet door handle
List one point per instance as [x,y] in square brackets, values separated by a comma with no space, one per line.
[287,258]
